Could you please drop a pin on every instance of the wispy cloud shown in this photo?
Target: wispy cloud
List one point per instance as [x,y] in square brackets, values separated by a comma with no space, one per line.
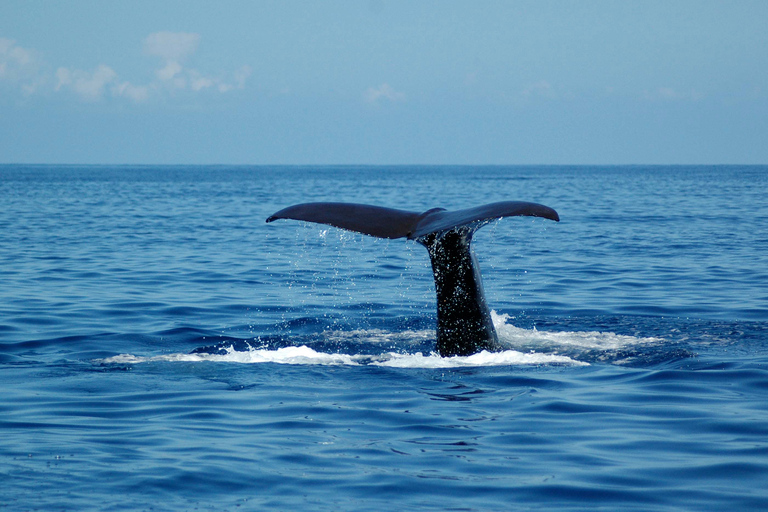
[18,64]
[89,86]
[170,73]
[13,58]
[384,92]
[174,48]
[137,93]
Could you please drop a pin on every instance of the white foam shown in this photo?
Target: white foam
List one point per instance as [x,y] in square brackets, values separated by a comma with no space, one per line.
[304,355]
[516,337]
[526,347]
[286,355]
[484,358]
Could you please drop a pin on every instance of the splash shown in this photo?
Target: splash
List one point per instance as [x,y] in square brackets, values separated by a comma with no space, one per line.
[304,355]
[589,340]
[380,336]
[484,358]
[525,347]
[286,355]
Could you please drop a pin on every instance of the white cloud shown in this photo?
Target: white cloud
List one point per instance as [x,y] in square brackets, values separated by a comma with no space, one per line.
[171,46]
[198,82]
[385,92]
[89,86]
[19,66]
[240,76]
[137,93]
[92,86]
[167,73]
[13,58]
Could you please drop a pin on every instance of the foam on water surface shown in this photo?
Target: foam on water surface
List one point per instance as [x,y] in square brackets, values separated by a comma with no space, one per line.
[590,340]
[524,347]
[304,355]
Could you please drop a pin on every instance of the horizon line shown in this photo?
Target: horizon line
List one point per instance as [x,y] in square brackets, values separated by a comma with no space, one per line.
[133,164]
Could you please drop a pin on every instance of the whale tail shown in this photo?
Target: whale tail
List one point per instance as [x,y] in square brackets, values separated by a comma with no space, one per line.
[464,325]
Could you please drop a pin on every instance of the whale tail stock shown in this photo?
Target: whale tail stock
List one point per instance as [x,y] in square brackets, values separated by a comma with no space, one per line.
[464,324]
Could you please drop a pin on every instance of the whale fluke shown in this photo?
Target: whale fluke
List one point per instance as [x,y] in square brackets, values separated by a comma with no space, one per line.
[362,218]
[464,325]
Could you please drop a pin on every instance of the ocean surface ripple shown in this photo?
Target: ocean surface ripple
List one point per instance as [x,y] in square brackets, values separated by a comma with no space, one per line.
[162,348]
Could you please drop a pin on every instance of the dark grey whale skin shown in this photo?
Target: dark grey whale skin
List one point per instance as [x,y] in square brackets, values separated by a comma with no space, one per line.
[464,325]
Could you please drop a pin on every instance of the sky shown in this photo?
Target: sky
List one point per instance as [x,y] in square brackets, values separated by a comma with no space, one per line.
[384,82]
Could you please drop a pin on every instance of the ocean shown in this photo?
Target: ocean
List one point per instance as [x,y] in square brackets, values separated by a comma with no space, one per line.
[163,348]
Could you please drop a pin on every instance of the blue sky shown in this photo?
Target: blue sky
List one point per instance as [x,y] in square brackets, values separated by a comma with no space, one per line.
[384,82]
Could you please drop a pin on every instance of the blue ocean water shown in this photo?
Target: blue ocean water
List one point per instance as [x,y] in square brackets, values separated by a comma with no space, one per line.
[162,348]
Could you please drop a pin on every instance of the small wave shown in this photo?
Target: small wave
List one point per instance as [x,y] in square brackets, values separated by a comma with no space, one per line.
[304,355]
